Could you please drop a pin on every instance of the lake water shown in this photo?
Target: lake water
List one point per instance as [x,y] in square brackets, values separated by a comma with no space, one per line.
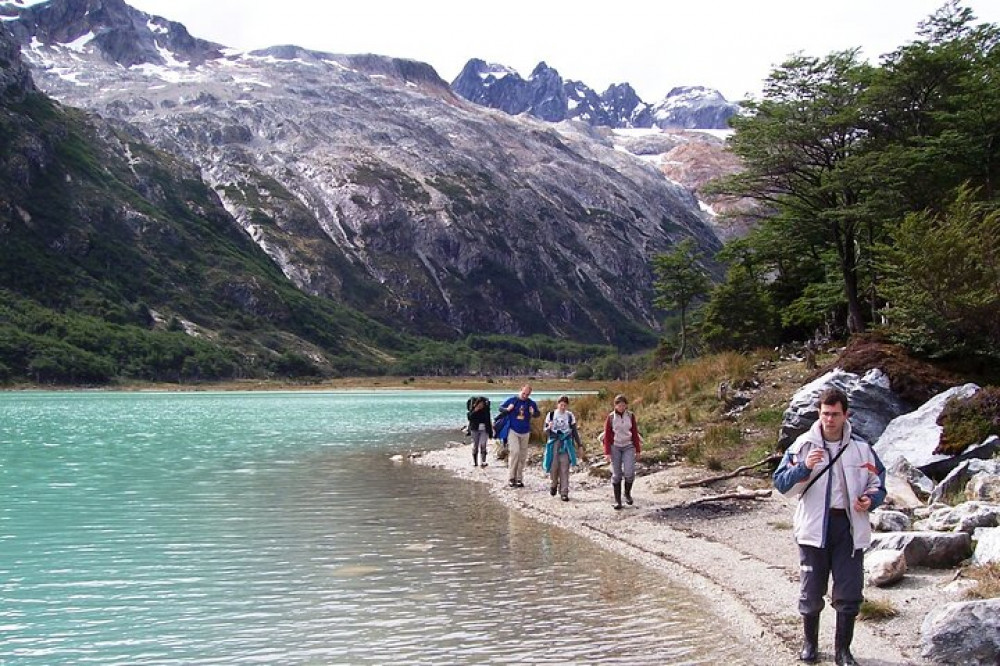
[274,528]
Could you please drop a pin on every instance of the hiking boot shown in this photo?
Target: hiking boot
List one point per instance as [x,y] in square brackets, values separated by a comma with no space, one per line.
[565,498]
[520,484]
[842,640]
[810,641]
[513,483]
[553,490]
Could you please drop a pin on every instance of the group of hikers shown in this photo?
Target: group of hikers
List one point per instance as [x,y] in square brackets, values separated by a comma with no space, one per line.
[512,427]
[832,528]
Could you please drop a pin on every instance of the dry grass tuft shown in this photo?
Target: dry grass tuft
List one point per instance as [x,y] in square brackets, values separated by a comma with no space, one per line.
[877,609]
[987,577]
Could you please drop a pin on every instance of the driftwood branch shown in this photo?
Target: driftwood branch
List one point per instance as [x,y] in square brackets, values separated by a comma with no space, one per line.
[746,495]
[774,457]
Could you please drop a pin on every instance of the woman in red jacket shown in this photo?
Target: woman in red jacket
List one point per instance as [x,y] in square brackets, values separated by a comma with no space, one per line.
[622,444]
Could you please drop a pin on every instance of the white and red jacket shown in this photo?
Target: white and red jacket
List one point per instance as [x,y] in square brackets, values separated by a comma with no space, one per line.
[864,474]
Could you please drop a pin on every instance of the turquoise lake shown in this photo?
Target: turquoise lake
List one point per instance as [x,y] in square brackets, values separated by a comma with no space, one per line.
[275,528]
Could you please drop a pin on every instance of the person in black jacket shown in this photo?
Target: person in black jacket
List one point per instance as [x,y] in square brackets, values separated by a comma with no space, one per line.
[481,429]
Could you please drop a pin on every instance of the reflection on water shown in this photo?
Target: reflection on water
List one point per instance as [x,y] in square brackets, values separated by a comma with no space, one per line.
[154,539]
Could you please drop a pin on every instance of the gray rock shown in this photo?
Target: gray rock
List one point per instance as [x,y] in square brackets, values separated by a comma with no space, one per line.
[916,435]
[872,404]
[958,478]
[965,517]
[938,550]
[884,567]
[884,520]
[987,545]
[920,483]
[984,486]
[963,633]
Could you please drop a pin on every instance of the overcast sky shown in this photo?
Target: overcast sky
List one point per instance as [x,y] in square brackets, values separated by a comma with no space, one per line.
[730,45]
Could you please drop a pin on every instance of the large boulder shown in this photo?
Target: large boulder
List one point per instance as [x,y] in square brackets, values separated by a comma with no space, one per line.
[915,436]
[872,404]
[965,633]
[907,486]
[884,567]
[957,480]
[938,550]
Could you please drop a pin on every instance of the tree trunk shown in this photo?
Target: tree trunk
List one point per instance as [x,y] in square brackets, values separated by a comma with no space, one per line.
[679,354]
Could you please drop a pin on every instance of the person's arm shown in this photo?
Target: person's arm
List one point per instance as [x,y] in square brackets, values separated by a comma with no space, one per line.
[876,490]
[791,470]
[609,436]
[636,437]
[548,422]
[575,432]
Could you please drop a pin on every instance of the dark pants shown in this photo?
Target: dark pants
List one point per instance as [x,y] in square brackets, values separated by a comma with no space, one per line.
[838,558]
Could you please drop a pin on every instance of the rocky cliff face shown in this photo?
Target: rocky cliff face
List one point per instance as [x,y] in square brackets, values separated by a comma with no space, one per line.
[545,95]
[15,77]
[368,182]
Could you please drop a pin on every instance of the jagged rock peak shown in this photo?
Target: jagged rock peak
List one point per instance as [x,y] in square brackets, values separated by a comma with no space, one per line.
[15,77]
[694,107]
[120,33]
[545,95]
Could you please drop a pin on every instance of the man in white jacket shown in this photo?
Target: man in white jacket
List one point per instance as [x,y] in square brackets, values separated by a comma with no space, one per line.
[838,479]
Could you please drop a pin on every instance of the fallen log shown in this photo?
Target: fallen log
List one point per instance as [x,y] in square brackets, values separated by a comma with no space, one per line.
[774,457]
[747,495]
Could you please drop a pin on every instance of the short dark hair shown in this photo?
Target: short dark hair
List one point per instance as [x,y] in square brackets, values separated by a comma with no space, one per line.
[832,396]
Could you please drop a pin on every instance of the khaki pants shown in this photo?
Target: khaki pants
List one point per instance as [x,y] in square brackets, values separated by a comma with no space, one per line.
[518,444]
[559,473]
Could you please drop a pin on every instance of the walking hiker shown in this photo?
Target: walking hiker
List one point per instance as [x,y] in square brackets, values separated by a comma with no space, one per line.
[481,428]
[560,449]
[838,479]
[521,409]
[622,444]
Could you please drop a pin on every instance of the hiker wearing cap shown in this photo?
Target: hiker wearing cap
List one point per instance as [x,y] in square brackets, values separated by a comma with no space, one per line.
[838,479]
[622,444]
[560,449]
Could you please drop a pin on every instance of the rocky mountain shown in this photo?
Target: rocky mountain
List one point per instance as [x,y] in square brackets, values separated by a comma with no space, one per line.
[371,184]
[547,96]
[119,261]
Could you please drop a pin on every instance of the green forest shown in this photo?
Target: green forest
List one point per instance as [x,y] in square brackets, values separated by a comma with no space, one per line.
[875,186]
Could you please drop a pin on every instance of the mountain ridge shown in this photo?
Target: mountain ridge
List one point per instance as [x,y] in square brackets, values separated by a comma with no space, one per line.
[546,95]
[367,181]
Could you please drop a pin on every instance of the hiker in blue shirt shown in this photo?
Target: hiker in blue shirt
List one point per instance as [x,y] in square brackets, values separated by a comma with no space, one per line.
[521,409]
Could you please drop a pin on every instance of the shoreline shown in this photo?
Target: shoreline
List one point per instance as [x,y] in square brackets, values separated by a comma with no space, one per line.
[739,555]
[393,383]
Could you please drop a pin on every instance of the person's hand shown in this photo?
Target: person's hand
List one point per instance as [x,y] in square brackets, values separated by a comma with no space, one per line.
[814,458]
[863,503]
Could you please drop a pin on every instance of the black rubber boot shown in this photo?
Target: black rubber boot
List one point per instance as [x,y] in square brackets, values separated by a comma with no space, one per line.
[842,641]
[618,494]
[475,458]
[628,493]
[810,640]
